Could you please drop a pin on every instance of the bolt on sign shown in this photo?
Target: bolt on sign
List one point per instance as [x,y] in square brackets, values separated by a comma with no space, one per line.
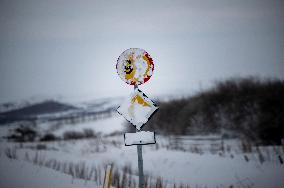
[135,67]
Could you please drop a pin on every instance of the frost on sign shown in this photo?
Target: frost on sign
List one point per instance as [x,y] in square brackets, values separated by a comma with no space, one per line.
[135,66]
[137,109]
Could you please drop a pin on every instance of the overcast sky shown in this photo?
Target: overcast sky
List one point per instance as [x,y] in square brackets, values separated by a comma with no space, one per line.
[69,48]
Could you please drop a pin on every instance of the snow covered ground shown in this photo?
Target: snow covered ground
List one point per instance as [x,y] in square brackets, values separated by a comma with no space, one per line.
[18,173]
[193,161]
[104,126]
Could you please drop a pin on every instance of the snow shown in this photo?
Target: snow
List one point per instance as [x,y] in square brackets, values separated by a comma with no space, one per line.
[100,104]
[208,170]
[137,109]
[20,174]
[5,130]
[139,138]
[194,164]
[104,126]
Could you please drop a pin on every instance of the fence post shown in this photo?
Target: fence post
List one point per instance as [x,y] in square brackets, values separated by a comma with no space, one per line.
[107,178]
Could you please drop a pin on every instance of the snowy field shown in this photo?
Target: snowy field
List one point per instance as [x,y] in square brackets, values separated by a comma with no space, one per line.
[18,173]
[173,161]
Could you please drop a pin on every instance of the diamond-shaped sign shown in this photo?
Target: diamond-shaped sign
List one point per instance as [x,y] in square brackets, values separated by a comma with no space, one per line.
[137,109]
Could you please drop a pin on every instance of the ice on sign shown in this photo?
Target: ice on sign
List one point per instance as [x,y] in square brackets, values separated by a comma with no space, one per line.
[137,109]
[135,66]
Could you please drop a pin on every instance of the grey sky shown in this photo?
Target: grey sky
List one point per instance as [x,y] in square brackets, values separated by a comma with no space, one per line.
[70,47]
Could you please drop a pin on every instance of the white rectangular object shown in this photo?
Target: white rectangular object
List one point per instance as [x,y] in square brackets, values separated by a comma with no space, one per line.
[137,109]
[139,138]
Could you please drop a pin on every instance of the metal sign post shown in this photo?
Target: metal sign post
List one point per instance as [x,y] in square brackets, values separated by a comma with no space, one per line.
[140,160]
[140,166]
[135,67]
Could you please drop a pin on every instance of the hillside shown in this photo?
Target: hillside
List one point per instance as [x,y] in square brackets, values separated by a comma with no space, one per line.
[245,107]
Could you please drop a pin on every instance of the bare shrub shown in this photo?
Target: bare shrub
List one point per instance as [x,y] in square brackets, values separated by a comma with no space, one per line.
[246,158]
[196,149]
[38,159]
[246,147]
[41,147]
[89,133]
[159,183]
[116,178]
[23,134]
[280,159]
[49,137]
[11,153]
[72,135]
[260,155]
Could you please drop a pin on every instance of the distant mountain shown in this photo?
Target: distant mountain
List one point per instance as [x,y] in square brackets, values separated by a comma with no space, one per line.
[56,110]
[21,103]
[40,108]
[32,111]
[9,106]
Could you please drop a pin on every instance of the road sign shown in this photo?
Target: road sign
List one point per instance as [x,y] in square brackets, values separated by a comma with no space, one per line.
[135,66]
[139,138]
[137,109]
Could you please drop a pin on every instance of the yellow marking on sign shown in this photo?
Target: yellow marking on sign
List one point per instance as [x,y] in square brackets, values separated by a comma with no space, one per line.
[140,100]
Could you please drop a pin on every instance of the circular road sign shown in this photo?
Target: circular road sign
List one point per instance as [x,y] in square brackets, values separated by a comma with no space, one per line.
[135,66]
